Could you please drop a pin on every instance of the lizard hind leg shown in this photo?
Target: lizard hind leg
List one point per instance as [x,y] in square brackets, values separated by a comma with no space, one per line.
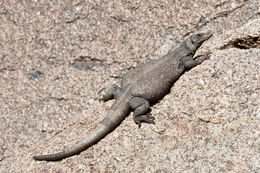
[111,93]
[141,108]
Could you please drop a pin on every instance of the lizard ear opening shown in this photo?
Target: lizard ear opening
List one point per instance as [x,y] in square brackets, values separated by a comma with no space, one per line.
[191,45]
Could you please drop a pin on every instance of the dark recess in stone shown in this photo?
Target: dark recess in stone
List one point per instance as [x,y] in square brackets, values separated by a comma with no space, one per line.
[247,43]
[243,43]
[35,75]
[86,63]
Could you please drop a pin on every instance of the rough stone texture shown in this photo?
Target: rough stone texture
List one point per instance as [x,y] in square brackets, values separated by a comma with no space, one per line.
[56,58]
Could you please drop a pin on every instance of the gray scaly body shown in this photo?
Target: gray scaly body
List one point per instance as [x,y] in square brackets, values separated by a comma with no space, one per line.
[141,86]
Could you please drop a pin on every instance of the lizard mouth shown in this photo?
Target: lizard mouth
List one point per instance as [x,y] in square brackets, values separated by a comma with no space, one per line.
[205,35]
[200,37]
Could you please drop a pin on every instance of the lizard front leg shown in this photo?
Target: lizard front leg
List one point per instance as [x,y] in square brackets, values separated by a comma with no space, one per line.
[189,62]
[141,107]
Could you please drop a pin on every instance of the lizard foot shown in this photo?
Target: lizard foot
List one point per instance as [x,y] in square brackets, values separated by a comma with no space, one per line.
[148,118]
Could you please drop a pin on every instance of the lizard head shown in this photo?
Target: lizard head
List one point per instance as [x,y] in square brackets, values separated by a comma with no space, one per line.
[195,40]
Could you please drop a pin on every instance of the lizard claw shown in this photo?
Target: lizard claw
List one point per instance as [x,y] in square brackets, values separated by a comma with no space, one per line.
[149,119]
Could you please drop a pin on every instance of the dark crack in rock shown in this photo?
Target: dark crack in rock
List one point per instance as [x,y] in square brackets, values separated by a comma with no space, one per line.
[86,63]
[243,43]
[35,75]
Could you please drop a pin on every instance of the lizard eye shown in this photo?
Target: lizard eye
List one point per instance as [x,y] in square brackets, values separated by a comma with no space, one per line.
[194,39]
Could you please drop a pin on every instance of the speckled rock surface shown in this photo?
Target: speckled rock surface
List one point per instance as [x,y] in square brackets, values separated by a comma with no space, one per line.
[56,58]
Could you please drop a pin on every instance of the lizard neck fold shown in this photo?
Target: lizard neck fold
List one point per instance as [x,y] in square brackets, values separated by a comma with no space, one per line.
[179,52]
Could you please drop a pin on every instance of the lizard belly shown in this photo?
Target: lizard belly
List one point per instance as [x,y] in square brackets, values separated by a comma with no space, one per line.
[154,80]
[153,89]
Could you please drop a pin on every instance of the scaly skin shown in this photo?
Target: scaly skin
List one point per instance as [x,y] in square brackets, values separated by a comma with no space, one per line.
[141,86]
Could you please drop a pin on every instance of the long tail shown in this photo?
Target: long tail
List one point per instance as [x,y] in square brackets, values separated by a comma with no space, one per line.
[117,113]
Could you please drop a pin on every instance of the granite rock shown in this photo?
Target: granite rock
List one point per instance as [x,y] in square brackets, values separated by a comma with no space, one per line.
[56,57]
